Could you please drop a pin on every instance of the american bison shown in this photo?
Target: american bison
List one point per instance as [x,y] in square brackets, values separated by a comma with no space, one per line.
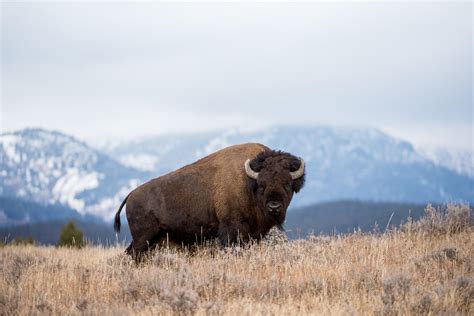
[235,194]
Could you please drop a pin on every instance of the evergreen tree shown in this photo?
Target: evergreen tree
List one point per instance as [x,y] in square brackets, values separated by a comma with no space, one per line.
[21,241]
[70,236]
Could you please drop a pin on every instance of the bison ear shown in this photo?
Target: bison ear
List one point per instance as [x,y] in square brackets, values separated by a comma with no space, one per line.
[295,164]
[256,164]
[298,183]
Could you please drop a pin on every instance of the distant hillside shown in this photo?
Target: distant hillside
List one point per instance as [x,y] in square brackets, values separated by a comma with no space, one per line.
[342,163]
[47,233]
[347,216]
[14,211]
[323,218]
[50,167]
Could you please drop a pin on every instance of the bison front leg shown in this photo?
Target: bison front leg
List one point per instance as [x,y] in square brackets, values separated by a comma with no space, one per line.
[230,234]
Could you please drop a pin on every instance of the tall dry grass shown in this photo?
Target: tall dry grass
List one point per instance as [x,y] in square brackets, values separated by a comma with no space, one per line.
[425,267]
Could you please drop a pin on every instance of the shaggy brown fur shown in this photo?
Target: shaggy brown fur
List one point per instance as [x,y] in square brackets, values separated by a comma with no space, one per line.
[213,198]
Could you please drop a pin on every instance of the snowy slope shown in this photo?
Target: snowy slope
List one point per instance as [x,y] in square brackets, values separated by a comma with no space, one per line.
[342,163]
[53,168]
[460,161]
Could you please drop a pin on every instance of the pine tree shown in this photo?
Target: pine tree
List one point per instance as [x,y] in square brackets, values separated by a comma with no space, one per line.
[70,236]
[21,241]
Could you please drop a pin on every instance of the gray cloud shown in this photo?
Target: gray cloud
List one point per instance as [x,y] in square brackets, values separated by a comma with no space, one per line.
[132,69]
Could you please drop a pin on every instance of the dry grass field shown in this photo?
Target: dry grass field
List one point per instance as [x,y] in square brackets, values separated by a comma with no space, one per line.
[422,268]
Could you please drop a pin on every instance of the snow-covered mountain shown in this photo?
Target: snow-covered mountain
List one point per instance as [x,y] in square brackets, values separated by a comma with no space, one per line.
[460,161]
[342,163]
[52,168]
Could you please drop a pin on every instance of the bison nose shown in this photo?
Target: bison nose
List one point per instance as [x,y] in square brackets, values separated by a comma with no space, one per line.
[273,206]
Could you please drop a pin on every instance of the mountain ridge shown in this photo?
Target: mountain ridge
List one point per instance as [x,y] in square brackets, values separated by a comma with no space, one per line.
[54,168]
[347,216]
[343,153]
[50,167]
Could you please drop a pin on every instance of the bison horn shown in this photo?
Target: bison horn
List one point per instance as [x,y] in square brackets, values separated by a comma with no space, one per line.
[298,173]
[252,174]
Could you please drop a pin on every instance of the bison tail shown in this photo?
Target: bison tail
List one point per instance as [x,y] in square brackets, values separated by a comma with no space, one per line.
[117,215]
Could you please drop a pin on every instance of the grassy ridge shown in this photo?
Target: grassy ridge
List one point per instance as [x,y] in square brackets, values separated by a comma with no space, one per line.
[423,267]
[325,218]
[348,215]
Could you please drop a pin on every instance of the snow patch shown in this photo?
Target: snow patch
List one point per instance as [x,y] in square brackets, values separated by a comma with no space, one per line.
[215,144]
[9,145]
[457,160]
[144,162]
[235,136]
[107,207]
[73,183]
[3,217]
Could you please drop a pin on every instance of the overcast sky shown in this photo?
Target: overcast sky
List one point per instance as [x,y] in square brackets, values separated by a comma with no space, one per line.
[124,70]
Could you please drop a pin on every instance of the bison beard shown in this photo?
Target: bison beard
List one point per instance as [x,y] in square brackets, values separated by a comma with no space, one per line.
[235,194]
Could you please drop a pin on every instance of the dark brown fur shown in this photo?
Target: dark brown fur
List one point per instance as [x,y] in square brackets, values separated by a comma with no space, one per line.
[212,198]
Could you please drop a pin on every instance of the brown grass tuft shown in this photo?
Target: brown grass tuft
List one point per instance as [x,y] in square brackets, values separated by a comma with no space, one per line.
[423,268]
[453,219]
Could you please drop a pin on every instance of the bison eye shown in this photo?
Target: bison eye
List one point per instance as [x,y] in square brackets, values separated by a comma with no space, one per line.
[288,187]
[261,189]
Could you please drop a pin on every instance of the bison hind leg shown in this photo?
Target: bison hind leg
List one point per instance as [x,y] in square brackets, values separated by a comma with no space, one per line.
[129,250]
[143,245]
[137,255]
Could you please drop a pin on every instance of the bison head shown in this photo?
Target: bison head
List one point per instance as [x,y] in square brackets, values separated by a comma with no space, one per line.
[274,177]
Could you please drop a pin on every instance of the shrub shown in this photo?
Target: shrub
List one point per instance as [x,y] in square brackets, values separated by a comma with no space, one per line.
[21,241]
[275,236]
[395,287]
[451,220]
[70,236]
[458,218]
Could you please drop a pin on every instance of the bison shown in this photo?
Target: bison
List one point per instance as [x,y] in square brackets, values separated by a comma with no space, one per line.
[235,194]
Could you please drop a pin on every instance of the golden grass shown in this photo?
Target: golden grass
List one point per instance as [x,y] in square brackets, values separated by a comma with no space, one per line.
[407,271]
